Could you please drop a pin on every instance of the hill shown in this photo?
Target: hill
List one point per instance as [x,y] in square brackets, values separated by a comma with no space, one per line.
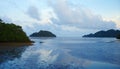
[108,33]
[43,33]
[12,33]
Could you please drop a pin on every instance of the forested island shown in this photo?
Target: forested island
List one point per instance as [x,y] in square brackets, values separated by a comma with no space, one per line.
[10,32]
[108,33]
[43,33]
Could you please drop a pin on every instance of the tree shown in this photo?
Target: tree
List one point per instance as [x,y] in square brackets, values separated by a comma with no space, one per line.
[12,33]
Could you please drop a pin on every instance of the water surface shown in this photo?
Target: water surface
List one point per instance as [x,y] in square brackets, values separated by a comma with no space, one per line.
[64,53]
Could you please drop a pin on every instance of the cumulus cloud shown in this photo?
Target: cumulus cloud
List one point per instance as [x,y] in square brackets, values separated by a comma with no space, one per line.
[79,17]
[61,17]
[33,12]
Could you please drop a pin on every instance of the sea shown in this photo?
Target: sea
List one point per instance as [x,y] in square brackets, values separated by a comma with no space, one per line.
[63,53]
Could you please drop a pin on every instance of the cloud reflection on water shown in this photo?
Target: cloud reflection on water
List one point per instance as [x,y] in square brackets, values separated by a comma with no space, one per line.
[56,54]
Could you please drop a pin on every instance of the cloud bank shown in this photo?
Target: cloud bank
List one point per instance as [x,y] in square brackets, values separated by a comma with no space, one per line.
[79,17]
[6,19]
[62,18]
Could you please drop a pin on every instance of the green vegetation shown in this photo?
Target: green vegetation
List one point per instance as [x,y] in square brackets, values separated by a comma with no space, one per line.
[43,33]
[12,33]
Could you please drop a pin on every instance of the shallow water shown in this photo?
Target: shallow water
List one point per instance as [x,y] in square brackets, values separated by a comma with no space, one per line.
[64,53]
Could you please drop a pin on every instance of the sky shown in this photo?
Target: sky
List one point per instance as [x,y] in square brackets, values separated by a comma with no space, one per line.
[62,17]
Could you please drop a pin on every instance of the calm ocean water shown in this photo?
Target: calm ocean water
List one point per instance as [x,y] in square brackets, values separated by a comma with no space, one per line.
[64,53]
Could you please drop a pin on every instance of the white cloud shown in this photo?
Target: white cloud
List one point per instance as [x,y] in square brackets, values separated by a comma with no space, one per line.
[33,12]
[115,19]
[69,28]
[46,16]
[6,19]
[60,17]
[79,17]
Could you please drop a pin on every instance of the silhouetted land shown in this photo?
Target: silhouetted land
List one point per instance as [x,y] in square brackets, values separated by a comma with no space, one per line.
[108,33]
[118,37]
[43,33]
[11,33]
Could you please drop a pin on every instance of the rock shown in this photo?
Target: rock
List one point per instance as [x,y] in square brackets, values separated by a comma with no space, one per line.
[41,42]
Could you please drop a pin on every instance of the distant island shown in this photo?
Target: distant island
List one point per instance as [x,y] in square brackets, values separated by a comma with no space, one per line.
[12,33]
[43,33]
[118,37]
[108,33]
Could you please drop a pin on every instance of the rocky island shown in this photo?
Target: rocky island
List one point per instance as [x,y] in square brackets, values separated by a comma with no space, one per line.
[11,33]
[43,33]
[108,33]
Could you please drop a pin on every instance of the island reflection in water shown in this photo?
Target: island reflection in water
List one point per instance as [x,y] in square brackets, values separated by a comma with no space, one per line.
[65,53]
[8,53]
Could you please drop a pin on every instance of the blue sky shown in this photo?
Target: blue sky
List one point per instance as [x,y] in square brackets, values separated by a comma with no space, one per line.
[62,17]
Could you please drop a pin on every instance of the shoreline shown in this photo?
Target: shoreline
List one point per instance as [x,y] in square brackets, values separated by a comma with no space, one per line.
[16,43]
[5,46]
